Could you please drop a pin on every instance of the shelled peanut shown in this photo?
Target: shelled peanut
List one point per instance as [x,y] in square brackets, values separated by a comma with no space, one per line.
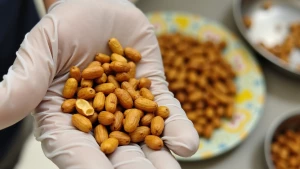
[200,79]
[107,100]
[285,150]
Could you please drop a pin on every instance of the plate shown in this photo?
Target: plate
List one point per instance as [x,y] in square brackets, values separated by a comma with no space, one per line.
[250,82]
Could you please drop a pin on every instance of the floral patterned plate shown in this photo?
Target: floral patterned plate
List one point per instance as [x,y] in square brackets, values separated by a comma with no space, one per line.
[250,82]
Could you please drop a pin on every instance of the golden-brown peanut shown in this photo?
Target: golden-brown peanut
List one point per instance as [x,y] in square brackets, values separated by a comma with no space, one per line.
[75,73]
[207,131]
[112,79]
[94,63]
[134,83]
[132,119]
[220,111]
[93,118]
[163,112]
[132,70]
[106,118]
[115,46]
[198,128]
[192,77]
[121,77]
[106,88]
[99,101]
[145,104]
[144,82]
[139,134]
[84,108]
[101,79]
[111,103]
[221,87]
[122,137]
[229,111]
[146,93]
[102,58]
[192,115]
[117,57]
[194,97]
[187,106]
[86,93]
[146,120]
[106,68]
[133,54]
[100,133]
[82,123]
[92,72]
[118,123]
[216,122]
[157,125]
[128,87]
[140,112]
[119,67]
[86,83]
[209,112]
[109,145]
[154,142]
[124,98]
[70,88]
[68,106]
[181,96]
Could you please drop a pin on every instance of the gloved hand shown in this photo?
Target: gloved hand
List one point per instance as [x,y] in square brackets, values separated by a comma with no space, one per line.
[70,34]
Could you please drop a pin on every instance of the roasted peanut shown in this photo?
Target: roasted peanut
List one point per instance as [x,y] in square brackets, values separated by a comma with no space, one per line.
[132,120]
[86,93]
[122,137]
[115,46]
[128,87]
[101,79]
[139,134]
[119,67]
[70,88]
[111,103]
[93,118]
[106,88]
[146,120]
[163,112]
[82,123]
[86,83]
[117,57]
[106,118]
[124,98]
[100,133]
[146,93]
[145,104]
[99,101]
[117,124]
[68,106]
[75,73]
[106,68]
[154,142]
[132,70]
[144,82]
[157,125]
[134,83]
[92,72]
[133,54]
[109,145]
[102,58]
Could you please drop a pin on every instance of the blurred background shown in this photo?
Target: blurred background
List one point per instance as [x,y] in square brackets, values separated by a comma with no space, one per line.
[282,95]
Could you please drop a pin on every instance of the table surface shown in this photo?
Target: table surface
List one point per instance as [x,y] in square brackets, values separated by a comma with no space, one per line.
[282,90]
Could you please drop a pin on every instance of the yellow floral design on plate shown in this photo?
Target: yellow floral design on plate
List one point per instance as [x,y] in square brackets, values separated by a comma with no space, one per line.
[238,122]
[182,22]
[244,96]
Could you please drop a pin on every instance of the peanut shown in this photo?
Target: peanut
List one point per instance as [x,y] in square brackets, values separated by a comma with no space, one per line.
[70,88]
[154,142]
[68,106]
[118,123]
[144,82]
[115,46]
[144,92]
[109,145]
[81,123]
[101,79]
[102,58]
[86,83]
[133,54]
[128,87]
[132,120]
[132,70]
[117,57]
[122,137]
[99,101]
[112,79]
[106,68]
[75,73]
[92,72]
[119,67]
[134,83]
[124,98]
[157,125]
[106,88]
[100,133]
[139,134]
[106,118]
[146,120]
[145,104]
[93,118]
[86,93]
[121,77]
[163,112]
[111,103]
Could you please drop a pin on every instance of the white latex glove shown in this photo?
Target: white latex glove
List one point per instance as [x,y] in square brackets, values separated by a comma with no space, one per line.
[70,34]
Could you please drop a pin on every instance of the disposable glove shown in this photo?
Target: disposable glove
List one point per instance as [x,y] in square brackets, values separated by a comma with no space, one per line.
[71,34]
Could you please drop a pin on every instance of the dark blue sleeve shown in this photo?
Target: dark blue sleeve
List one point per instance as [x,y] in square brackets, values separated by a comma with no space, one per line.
[17,17]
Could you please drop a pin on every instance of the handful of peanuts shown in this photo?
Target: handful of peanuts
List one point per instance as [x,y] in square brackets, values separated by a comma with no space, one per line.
[200,79]
[285,150]
[106,98]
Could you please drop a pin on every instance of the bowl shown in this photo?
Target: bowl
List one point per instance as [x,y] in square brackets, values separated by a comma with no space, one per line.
[290,120]
[270,27]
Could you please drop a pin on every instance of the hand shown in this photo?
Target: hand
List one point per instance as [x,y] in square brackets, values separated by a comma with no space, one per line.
[71,34]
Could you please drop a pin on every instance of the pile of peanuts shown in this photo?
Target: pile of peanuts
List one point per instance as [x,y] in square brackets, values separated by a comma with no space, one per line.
[286,150]
[200,79]
[105,98]
[292,40]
